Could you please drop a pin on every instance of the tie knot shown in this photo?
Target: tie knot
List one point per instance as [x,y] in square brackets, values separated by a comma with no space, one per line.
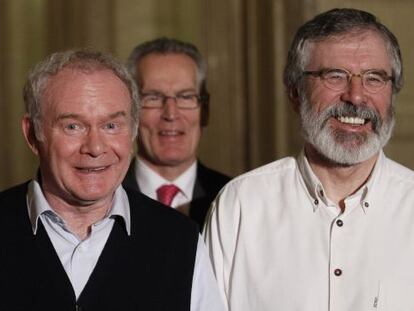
[166,194]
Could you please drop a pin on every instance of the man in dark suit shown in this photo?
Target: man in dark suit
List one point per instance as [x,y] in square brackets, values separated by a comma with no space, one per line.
[171,78]
[73,238]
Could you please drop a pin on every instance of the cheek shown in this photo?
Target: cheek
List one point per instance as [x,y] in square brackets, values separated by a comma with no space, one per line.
[196,134]
[194,119]
[320,98]
[148,124]
[383,104]
[56,160]
[146,137]
[62,150]
[149,119]
[122,146]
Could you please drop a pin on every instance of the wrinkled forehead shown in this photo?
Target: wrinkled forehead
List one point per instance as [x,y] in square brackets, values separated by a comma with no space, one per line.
[359,43]
[73,87]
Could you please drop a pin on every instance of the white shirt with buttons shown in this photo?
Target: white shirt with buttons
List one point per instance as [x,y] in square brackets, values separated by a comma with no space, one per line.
[277,242]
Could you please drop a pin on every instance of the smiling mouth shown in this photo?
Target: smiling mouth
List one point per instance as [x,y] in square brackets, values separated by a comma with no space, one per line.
[352,120]
[170,133]
[92,169]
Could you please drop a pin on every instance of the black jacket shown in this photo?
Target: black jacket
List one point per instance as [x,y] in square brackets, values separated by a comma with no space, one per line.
[151,269]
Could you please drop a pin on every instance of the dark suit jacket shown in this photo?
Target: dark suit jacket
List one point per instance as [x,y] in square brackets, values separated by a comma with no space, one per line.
[208,184]
[152,269]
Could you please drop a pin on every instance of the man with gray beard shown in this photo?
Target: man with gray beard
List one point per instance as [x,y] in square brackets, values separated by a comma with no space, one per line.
[332,229]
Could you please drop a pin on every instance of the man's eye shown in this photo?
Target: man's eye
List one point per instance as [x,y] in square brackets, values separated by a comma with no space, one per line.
[152,97]
[186,96]
[374,77]
[111,126]
[335,75]
[72,127]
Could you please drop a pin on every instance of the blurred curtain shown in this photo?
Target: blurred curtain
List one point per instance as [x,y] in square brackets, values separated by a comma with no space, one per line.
[245,43]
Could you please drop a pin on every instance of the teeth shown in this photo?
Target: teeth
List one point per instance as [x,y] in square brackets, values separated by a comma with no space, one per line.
[351,120]
[90,170]
[169,133]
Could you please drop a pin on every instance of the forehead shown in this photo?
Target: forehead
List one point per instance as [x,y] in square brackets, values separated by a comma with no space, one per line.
[354,51]
[76,89]
[166,68]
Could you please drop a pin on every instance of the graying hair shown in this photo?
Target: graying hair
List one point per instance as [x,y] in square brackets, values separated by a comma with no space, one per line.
[83,60]
[165,46]
[337,22]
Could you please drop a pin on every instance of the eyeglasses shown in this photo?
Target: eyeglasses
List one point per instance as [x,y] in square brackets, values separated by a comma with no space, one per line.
[157,100]
[338,79]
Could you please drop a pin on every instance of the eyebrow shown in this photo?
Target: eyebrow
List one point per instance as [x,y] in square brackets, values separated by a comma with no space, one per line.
[154,91]
[65,116]
[344,69]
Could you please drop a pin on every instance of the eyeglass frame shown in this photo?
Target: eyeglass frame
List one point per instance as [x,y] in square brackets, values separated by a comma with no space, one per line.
[320,73]
[176,98]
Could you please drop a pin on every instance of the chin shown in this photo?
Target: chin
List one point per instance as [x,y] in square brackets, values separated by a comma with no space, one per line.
[171,162]
[93,194]
[173,158]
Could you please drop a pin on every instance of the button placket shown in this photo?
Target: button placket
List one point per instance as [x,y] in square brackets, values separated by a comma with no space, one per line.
[79,262]
[338,253]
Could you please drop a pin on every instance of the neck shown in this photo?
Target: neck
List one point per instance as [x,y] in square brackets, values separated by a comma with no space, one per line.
[79,217]
[168,172]
[339,181]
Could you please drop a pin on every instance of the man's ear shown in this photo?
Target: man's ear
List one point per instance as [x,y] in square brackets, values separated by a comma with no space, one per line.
[29,133]
[294,98]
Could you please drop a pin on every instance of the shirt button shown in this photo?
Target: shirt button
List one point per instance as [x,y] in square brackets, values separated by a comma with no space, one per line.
[316,202]
[337,272]
[339,223]
[366,204]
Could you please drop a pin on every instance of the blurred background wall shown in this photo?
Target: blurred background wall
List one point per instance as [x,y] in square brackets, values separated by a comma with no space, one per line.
[244,41]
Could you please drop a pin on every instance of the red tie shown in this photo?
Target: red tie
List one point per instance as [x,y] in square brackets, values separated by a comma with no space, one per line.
[166,194]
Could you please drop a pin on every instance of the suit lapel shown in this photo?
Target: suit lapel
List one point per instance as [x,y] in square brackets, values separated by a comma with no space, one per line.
[201,198]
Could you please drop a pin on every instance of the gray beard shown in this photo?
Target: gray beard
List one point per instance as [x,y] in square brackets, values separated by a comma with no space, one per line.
[341,147]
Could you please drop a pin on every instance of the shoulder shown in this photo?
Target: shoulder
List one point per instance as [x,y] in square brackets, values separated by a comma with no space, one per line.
[13,209]
[258,188]
[399,173]
[16,193]
[270,172]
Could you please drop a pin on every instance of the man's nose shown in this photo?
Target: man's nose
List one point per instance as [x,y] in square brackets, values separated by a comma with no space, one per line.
[94,143]
[170,109]
[354,92]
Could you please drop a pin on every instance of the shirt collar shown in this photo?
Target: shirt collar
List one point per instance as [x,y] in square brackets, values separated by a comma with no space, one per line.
[316,190]
[38,205]
[149,180]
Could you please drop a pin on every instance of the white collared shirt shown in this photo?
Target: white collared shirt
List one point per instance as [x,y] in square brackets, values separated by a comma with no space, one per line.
[79,257]
[149,181]
[277,242]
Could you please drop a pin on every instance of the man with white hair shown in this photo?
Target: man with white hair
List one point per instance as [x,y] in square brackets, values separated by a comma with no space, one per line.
[72,238]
